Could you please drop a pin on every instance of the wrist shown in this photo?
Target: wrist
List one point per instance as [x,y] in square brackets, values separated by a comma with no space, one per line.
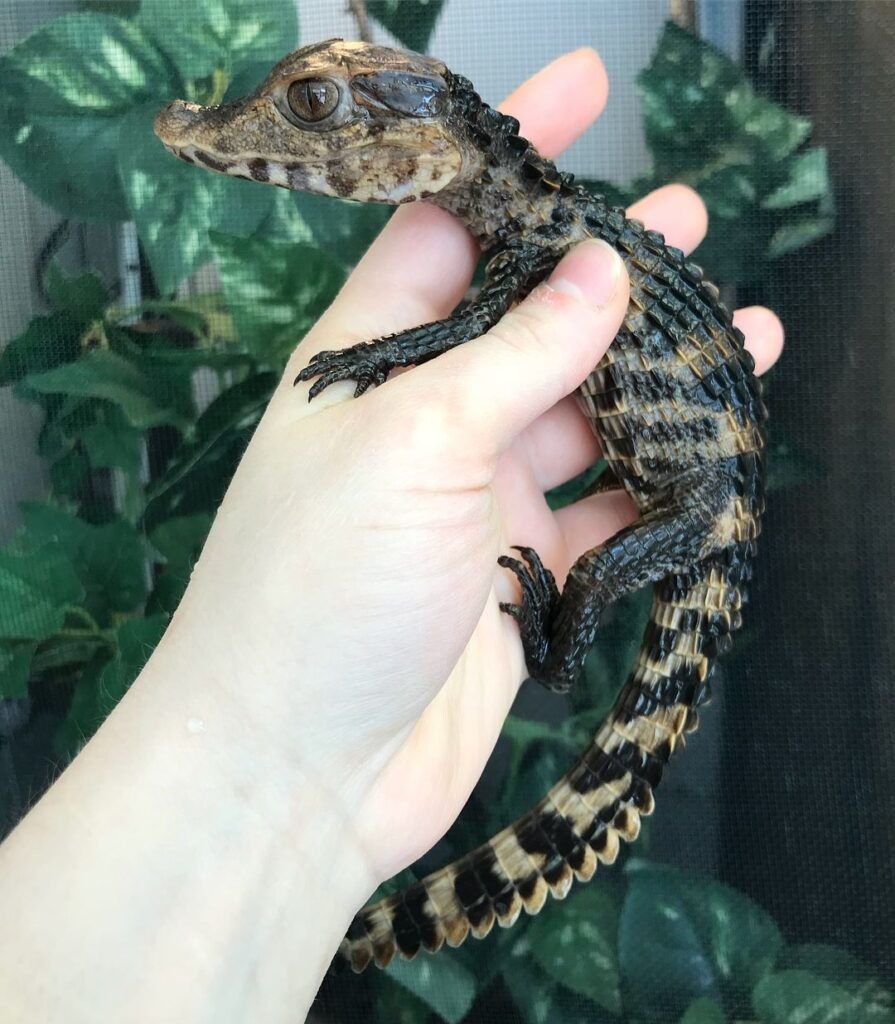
[212,865]
[284,869]
[232,772]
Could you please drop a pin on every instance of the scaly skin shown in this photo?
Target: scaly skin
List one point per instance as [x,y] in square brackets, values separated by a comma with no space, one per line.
[674,402]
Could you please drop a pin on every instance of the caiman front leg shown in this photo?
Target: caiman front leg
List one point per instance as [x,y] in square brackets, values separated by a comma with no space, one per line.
[509,276]
[558,629]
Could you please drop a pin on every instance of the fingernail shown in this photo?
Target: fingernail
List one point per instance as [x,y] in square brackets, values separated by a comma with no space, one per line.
[591,272]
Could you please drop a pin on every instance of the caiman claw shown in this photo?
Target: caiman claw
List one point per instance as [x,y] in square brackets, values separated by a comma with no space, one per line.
[356,363]
[540,599]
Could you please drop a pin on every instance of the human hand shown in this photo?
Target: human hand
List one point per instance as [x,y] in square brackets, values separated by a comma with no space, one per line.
[347,602]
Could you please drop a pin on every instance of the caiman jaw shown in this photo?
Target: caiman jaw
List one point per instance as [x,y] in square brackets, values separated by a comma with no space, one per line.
[185,132]
[343,119]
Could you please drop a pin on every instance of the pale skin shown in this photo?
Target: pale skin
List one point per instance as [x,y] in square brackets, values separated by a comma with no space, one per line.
[338,672]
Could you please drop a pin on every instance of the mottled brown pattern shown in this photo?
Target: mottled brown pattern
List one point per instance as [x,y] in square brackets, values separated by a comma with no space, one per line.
[674,402]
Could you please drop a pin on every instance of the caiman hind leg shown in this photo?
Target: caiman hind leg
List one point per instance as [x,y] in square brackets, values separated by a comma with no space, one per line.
[558,629]
[509,276]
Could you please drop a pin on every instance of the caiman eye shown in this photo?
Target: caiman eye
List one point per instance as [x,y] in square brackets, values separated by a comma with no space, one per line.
[313,99]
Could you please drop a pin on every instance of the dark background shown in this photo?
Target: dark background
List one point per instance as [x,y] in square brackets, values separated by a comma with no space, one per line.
[809,766]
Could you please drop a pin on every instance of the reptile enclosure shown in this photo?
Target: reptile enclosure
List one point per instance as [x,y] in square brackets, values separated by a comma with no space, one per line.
[139,345]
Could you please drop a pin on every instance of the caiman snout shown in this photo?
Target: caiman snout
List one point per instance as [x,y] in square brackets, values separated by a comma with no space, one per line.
[174,123]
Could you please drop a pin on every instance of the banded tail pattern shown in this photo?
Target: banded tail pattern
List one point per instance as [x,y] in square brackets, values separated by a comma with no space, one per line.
[599,802]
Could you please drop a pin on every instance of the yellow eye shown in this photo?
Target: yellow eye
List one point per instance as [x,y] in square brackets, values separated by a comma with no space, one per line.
[313,99]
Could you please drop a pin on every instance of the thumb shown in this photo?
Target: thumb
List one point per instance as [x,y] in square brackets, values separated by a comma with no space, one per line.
[538,353]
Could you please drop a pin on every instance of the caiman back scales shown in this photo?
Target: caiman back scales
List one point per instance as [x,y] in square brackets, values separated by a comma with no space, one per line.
[674,403]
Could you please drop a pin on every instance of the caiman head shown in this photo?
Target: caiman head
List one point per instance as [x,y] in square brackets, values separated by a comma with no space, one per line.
[337,118]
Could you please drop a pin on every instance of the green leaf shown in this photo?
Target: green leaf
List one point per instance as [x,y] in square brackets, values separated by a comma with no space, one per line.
[63,92]
[342,229]
[541,1001]
[62,658]
[47,342]
[15,668]
[203,465]
[697,101]
[682,92]
[166,368]
[202,315]
[707,127]
[189,359]
[175,205]
[179,313]
[84,295]
[274,290]
[66,417]
[522,733]
[798,234]
[682,938]
[774,131]
[799,997]
[703,1011]
[35,591]
[179,541]
[104,374]
[840,967]
[68,474]
[221,35]
[572,490]
[729,190]
[440,982]
[395,1005]
[809,178]
[105,681]
[81,434]
[578,947]
[410,21]
[45,523]
[110,560]
[111,442]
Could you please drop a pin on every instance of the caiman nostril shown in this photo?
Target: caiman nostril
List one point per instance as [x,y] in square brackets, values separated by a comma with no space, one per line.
[172,124]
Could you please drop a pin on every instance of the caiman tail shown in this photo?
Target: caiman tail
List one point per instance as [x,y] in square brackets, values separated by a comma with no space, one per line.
[599,802]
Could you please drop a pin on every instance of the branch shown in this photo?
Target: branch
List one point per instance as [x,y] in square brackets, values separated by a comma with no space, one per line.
[359,10]
[683,13]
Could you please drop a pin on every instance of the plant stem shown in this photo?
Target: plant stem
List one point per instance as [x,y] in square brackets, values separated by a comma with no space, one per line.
[77,612]
[85,634]
[683,13]
[220,80]
[359,10]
